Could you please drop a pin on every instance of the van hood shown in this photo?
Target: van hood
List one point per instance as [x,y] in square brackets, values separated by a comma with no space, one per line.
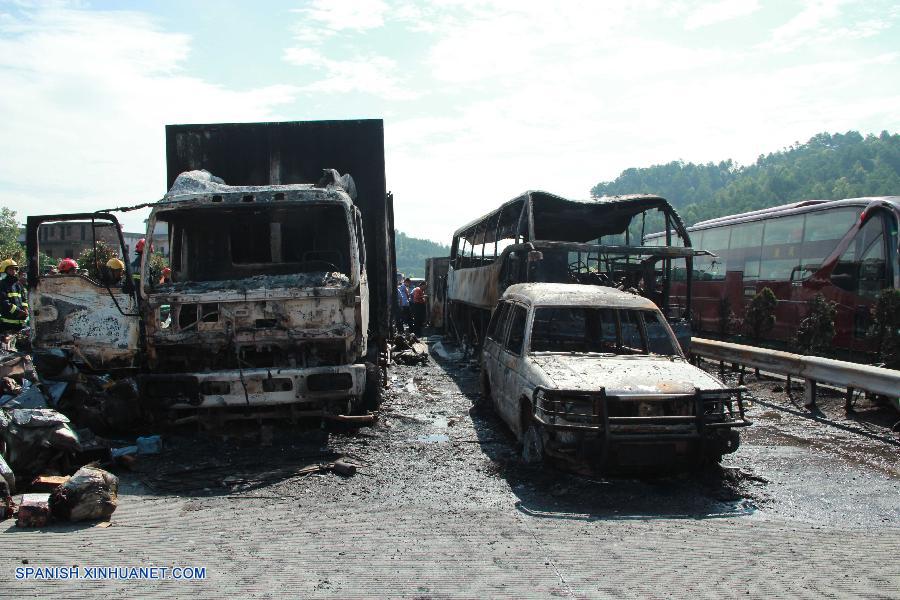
[638,375]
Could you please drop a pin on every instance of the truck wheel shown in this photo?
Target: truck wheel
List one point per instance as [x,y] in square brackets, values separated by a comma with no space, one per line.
[372,393]
[533,445]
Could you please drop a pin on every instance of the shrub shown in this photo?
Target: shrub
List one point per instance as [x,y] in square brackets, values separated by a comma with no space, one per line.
[816,331]
[885,330]
[93,262]
[759,318]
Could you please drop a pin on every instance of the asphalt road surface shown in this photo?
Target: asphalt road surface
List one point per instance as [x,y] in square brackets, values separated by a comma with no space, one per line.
[442,507]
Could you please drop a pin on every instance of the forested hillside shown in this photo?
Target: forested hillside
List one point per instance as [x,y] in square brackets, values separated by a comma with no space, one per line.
[826,167]
[412,252]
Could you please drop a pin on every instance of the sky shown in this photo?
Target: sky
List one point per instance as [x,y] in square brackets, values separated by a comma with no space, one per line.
[481,100]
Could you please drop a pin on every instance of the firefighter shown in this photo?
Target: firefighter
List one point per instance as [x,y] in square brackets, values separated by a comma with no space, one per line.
[67,266]
[115,271]
[136,263]
[13,303]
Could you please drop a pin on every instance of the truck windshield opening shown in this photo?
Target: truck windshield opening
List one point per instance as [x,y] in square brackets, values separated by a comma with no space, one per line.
[242,242]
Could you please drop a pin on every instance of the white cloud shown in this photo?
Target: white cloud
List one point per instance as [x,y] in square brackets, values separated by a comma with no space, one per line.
[719,12]
[560,97]
[86,97]
[357,15]
[371,74]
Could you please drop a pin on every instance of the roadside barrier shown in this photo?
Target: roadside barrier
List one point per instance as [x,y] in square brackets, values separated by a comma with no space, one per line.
[814,369]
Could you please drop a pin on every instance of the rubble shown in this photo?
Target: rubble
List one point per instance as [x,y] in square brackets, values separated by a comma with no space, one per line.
[149,445]
[48,483]
[408,350]
[90,494]
[7,476]
[34,511]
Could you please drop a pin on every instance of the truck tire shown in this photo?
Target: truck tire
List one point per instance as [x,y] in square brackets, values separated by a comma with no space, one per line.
[372,393]
[533,445]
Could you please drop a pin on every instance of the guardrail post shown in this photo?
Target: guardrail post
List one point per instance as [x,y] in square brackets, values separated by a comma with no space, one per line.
[848,401]
[810,394]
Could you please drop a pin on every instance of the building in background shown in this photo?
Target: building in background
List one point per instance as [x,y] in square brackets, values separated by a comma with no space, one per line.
[69,240]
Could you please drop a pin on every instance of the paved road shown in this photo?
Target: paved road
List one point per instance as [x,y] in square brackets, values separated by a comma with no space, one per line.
[443,508]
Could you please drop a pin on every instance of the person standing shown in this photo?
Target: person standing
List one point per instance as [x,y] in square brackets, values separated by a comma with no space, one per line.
[418,309]
[404,295]
[13,303]
[136,263]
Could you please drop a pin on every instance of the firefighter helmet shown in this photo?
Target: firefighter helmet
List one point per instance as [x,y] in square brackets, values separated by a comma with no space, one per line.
[67,265]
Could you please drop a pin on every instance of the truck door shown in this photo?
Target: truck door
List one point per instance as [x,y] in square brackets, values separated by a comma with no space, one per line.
[87,313]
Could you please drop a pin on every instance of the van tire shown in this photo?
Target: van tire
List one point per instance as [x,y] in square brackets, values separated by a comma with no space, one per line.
[483,400]
[533,444]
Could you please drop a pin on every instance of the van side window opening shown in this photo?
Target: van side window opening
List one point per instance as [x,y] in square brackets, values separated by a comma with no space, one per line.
[516,337]
[498,319]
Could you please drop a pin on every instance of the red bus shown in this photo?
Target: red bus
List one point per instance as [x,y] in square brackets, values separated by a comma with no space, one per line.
[846,250]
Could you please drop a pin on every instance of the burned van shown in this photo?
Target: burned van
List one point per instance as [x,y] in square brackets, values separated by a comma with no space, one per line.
[593,376]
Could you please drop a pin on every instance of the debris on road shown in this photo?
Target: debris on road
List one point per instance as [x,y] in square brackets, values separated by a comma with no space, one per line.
[6,475]
[151,444]
[36,440]
[34,511]
[48,483]
[408,350]
[89,495]
[342,467]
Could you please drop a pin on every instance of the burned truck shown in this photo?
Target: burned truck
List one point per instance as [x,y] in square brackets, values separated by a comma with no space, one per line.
[541,237]
[280,275]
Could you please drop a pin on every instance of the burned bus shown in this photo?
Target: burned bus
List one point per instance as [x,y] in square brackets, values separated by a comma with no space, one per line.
[541,237]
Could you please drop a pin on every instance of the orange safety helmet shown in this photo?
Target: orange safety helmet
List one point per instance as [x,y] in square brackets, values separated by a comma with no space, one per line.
[139,246]
[67,265]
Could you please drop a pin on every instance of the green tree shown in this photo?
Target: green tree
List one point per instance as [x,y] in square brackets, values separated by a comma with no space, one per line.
[759,317]
[412,252]
[158,262]
[828,166]
[885,330]
[816,330]
[9,234]
[93,262]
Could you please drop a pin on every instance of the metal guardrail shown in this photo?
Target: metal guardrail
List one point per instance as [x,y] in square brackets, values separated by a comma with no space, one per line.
[814,369]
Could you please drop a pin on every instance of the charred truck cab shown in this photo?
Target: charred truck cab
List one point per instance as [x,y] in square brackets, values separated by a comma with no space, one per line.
[281,275]
[268,298]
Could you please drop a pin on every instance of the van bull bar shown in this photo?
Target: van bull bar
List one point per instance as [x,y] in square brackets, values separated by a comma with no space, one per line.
[588,426]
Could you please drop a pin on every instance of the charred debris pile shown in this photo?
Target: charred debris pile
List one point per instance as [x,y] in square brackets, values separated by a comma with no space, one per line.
[52,422]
